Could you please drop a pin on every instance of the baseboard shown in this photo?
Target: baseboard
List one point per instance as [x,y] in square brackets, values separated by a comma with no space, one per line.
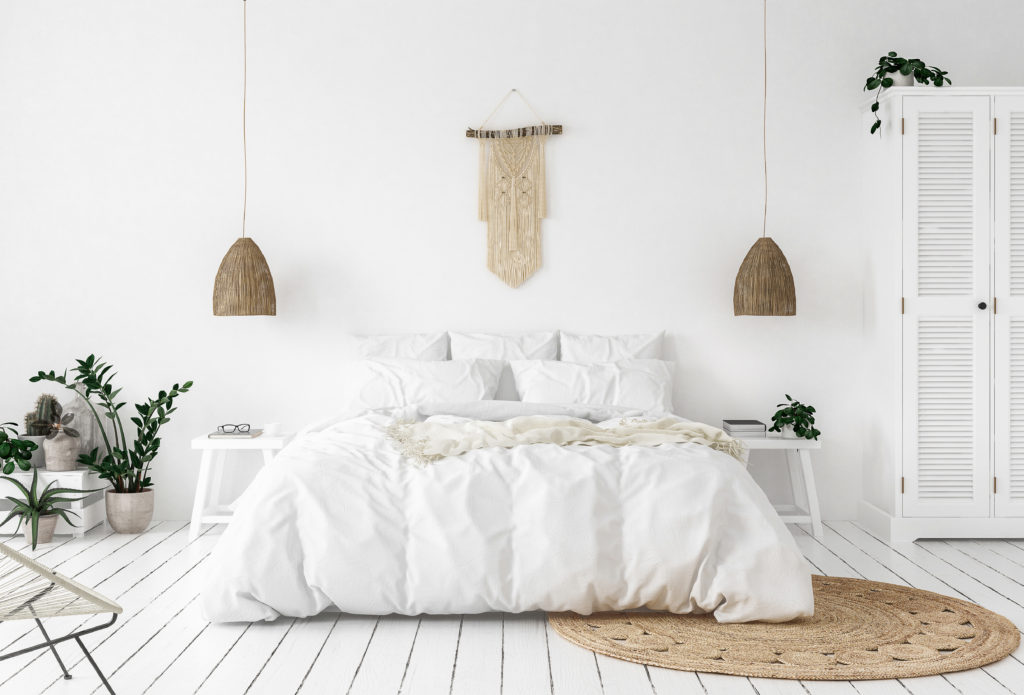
[878,522]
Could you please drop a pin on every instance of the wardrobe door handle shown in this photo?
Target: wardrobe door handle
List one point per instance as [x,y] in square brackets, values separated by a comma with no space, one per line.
[982,305]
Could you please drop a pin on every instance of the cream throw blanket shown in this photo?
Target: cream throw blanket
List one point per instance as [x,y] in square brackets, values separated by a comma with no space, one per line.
[425,442]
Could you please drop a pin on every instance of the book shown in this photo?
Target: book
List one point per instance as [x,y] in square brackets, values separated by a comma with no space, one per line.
[744,426]
[251,434]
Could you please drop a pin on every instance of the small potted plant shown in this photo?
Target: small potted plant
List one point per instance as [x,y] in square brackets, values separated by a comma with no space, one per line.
[794,419]
[61,443]
[37,425]
[39,511]
[895,71]
[14,451]
[124,463]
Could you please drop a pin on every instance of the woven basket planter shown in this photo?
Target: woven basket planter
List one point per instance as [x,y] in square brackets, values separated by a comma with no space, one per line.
[244,285]
[764,284]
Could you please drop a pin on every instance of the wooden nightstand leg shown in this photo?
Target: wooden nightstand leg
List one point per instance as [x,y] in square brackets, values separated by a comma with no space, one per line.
[812,494]
[202,490]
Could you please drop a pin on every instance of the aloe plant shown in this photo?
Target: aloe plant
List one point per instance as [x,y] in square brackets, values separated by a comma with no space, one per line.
[34,504]
[14,451]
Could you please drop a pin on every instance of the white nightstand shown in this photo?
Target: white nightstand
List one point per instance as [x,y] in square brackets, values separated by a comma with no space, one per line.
[798,455]
[211,473]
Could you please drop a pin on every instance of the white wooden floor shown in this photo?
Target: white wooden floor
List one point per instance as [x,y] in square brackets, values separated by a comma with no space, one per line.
[162,645]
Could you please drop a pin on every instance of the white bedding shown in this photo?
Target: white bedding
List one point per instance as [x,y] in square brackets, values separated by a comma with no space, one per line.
[342,520]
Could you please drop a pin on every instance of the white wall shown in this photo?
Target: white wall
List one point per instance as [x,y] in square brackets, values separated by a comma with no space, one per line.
[120,184]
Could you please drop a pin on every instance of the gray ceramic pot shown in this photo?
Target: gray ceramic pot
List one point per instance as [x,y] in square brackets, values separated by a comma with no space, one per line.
[61,453]
[38,456]
[47,523]
[129,512]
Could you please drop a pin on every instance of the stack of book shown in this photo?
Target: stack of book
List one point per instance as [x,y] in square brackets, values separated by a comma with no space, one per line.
[744,428]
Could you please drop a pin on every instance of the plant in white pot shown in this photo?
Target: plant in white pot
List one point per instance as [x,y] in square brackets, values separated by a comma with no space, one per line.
[15,451]
[125,463]
[896,71]
[37,426]
[38,512]
[795,420]
[61,444]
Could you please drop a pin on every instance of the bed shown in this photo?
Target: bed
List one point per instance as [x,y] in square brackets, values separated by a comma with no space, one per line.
[344,520]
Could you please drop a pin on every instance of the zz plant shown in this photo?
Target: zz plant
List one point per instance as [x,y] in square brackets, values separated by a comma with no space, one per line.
[797,414]
[891,64]
[125,463]
[34,504]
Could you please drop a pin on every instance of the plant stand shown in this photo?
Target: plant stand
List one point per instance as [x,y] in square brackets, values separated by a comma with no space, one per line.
[30,591]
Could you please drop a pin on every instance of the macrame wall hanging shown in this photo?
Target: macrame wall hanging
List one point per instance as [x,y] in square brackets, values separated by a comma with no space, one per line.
[513,196]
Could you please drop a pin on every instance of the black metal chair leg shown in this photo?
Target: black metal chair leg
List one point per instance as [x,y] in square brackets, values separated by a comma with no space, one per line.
[94,666]
[67,676]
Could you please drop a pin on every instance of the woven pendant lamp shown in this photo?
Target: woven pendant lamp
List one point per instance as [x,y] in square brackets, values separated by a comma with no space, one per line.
[244,285]
[764,284]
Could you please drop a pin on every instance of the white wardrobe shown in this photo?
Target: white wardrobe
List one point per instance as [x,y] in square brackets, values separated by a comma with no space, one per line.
[946,182]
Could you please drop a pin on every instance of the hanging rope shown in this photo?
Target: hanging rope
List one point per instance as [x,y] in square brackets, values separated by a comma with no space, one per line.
[245,94]
[764,121]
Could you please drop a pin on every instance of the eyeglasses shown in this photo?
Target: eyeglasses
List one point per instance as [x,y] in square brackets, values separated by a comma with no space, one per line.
[228,429]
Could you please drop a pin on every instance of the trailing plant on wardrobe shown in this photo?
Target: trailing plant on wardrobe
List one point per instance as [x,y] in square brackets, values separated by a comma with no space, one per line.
[798,415]
[125,464]
[892,64]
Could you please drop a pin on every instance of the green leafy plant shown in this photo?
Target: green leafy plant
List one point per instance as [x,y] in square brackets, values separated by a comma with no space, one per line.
[59,422]
[797,414]
[125,463]
[37,421]
[14,451]
[33,505]
[890,64]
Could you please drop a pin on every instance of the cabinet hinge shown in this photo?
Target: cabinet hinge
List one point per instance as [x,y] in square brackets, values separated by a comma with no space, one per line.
[995,305]
[903,305]
[903,486]
[994,488]
[903,126]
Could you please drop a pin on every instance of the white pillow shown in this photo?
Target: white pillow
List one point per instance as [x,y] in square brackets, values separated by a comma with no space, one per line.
[412,346]
[609,348]
[643,384]
[489,346]
[394,383]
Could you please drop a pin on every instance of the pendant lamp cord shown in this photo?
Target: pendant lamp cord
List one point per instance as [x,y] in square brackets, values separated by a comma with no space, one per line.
[764,122]
[245,90]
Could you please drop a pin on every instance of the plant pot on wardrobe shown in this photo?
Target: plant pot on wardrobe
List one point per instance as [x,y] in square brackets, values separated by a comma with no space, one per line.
[129,512]
[47,524]
[61,453]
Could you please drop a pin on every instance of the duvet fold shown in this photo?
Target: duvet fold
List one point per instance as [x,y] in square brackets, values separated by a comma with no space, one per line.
[342,520]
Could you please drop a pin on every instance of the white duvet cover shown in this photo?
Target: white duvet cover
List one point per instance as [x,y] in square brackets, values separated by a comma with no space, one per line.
[341,520]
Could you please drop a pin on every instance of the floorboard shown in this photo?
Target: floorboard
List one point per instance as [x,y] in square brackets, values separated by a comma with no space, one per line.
[163,646]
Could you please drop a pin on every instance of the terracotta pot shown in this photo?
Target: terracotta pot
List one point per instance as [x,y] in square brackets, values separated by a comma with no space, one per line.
[129,512]
[61,453]
[47,523]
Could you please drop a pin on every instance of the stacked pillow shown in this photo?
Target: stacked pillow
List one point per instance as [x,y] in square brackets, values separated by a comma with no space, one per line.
[617,370]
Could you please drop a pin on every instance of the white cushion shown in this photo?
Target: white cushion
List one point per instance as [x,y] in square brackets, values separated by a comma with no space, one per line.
[643,384]
[412,346]
[491,346]
[609,348]
[393,383]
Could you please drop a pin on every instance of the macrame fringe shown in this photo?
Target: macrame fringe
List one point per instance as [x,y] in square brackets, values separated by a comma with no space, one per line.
[513,200]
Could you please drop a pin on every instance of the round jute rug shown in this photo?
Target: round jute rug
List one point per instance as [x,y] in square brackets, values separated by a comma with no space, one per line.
[860,630]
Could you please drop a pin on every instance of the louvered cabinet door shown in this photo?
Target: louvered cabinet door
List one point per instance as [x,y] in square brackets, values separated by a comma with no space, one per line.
[946,340]
[1008,333]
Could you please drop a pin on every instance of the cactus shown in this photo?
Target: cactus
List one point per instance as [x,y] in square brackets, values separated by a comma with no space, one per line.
[37,423]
